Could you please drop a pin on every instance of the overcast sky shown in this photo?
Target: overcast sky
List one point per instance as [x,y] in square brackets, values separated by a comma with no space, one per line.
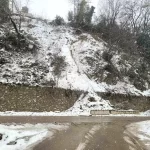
[51,8]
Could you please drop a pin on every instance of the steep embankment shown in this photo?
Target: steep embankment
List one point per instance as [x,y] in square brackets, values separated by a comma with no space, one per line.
[58,56]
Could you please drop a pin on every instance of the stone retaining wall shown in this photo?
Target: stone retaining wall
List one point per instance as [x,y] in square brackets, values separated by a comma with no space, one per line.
[126,102]
[39,99]
[36,99]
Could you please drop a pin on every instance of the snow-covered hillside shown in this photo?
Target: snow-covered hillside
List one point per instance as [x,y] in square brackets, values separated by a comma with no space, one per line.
[82,55]
[68,60]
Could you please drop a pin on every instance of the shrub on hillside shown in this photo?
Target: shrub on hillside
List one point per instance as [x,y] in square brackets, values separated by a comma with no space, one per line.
[24,43]
[59,65]
[59,21]
[107,56]
[143,41]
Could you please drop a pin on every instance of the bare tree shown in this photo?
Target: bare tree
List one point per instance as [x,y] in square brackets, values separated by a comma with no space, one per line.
[16,10]
[70,16]
[136,16]
[79,9]
[4,7]
[110,10]
[81,12]
[75,6]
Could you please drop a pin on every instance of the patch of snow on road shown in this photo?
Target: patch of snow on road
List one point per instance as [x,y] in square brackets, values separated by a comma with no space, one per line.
[141,130]
[16,137]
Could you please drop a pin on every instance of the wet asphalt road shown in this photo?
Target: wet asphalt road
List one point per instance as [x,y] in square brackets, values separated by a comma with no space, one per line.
[86,133]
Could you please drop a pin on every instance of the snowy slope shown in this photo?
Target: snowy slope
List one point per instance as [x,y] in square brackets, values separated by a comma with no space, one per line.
[83,56]
[62,41]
